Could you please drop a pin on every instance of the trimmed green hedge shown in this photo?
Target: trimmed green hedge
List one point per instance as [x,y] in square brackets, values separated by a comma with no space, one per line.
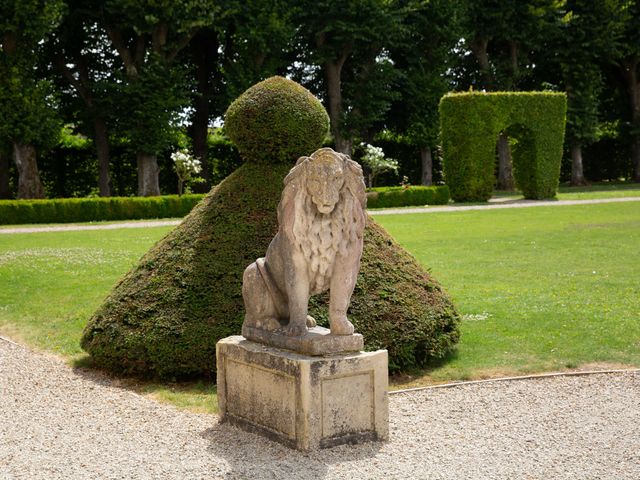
[470,124]
[277,105]
[387,197]
[65,210]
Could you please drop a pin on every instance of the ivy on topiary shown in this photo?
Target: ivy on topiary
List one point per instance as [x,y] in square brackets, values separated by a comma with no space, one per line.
[166,315]
[470,124]
[276,120]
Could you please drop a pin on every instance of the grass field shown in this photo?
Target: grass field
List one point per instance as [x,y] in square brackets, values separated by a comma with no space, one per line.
[545,288]
[541,289]
[51,283]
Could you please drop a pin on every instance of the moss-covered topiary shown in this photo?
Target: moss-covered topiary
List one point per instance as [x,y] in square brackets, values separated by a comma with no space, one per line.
[166,315]
[276,105]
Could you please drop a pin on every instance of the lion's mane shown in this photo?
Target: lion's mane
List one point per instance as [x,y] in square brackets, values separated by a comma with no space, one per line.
[318,236]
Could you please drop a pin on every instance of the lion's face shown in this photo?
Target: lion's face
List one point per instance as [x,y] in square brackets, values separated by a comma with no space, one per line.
[324,182]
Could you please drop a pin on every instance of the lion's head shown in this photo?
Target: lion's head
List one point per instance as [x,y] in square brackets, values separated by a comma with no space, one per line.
[327,178]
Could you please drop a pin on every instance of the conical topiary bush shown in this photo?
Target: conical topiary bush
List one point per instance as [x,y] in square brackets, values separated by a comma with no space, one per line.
[165,316]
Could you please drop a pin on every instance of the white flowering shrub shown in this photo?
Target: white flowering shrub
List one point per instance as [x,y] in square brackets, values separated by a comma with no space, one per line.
[186,167]
[376,162]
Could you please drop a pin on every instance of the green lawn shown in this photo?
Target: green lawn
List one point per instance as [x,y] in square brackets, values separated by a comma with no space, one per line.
[544,288]
[53,282]
[541,289]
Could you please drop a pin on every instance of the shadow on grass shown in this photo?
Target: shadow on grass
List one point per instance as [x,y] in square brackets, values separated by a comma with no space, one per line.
[408,378]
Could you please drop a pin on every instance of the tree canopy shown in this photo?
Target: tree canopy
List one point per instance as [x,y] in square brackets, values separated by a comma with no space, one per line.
[142,79]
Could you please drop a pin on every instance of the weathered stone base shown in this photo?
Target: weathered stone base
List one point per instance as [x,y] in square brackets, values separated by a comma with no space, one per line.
[303,401]
[317,341]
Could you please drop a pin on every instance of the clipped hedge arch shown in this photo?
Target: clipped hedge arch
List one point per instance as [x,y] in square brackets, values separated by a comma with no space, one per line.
[470,123]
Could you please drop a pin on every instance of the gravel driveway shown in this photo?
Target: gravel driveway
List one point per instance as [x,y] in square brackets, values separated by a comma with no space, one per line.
[56,423]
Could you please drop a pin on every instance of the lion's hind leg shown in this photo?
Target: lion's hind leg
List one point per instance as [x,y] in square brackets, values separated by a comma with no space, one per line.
[261,310]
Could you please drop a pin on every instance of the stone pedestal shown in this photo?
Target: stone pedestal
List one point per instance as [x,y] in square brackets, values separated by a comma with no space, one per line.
[317,341]
[306,402]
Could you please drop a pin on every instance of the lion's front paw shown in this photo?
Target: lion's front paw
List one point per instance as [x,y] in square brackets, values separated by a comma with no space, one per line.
[341,327]
[311,322]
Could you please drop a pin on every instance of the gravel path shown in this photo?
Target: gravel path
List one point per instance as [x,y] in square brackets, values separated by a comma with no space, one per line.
[497,204]
[56,423]
[97,226]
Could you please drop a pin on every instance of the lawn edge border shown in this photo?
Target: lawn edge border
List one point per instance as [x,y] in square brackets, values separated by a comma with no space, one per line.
[509,379]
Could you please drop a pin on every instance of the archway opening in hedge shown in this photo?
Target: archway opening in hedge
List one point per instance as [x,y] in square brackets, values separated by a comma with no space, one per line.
[470,124]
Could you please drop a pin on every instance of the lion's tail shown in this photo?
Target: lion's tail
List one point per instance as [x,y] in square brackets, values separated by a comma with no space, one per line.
[279,299]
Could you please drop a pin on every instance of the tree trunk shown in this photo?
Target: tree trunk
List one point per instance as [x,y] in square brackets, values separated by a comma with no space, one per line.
[102,149]
[199,136]
[513,60]
[204,49]
[5,192]
[479,48]
[635,159]
[427,166]
[630,70]
[505,164]
[577,174]
[29,184]
[148,182]
[332,73]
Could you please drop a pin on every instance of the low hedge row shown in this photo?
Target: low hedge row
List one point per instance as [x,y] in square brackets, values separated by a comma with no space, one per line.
[65,210]
[387,197]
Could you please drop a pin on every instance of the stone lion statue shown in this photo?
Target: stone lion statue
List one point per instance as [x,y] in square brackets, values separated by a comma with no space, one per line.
[321,218]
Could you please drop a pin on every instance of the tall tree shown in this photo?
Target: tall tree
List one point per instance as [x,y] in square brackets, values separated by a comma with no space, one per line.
[148,36]
[485,20]
[349,41]
[432,30]
[501,34]
[249,42]
[79,54]
[204,57]
[26,100]
[628,60]
[589,31]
